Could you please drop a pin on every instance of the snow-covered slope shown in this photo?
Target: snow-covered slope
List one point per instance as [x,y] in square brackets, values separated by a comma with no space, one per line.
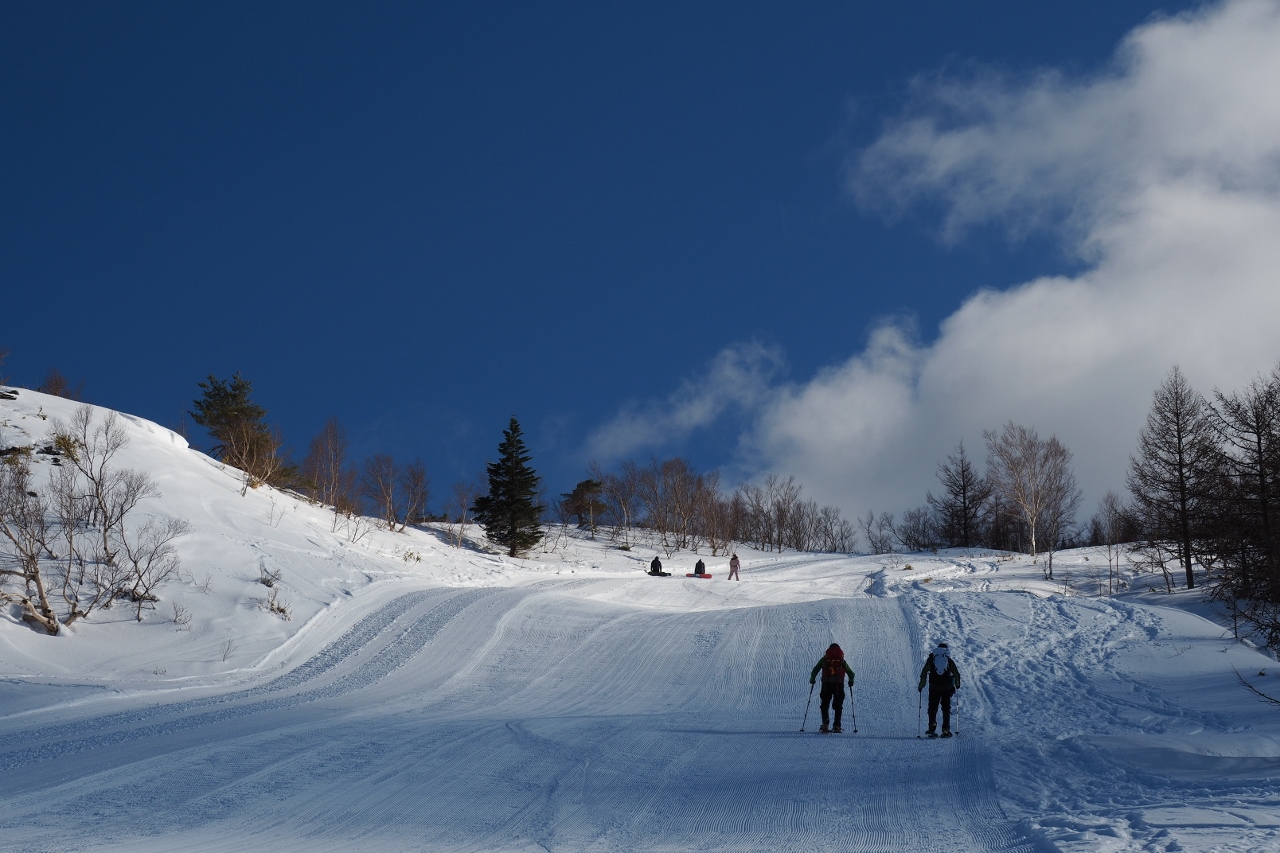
[429,698]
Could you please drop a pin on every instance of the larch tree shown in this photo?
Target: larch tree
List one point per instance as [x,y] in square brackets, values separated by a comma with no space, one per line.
[964,500]
[1247,425]
[1173,471]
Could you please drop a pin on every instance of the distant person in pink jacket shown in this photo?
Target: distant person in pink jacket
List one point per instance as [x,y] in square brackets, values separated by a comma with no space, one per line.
[734,565]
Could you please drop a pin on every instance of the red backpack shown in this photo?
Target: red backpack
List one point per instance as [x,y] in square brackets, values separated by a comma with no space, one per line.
[834,662]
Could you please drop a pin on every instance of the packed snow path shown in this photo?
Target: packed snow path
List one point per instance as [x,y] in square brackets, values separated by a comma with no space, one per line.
[621,713]
[525,719]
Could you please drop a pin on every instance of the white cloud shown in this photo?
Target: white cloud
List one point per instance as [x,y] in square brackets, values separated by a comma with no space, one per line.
[738,377]
[1163,172]
[1189,98]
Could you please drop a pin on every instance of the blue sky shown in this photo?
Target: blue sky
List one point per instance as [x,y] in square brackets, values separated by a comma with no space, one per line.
[426,218]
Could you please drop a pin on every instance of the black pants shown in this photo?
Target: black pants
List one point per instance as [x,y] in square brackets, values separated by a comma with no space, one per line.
[943,698]
[832,695]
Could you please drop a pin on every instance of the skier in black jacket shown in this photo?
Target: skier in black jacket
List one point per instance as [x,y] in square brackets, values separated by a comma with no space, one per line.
[943,678]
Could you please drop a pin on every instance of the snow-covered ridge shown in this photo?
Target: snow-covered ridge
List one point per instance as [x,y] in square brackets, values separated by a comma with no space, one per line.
[234,539]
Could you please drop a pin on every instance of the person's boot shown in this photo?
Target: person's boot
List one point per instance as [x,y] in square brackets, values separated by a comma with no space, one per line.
[822,729]
[932,732]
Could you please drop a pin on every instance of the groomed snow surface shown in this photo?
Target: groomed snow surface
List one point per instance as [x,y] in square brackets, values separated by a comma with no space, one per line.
[423,697]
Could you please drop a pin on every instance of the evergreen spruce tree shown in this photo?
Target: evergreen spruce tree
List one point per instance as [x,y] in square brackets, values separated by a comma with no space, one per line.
[245,440]
[231,418]
[510,514]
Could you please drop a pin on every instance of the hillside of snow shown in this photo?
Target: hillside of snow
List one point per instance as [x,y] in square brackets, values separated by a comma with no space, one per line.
[424,697]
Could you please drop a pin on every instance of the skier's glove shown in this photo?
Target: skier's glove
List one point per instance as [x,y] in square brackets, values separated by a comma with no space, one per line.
[812,680]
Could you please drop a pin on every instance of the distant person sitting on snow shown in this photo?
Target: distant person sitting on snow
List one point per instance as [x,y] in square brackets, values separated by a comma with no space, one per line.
[734,565]
[944,679]
[699,568]
[655,568]
[834,668]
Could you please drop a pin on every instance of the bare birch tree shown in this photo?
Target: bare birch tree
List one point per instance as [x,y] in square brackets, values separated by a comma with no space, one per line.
[1109,526]
[879,531]
[24,524]
[111,493]
[325,468]
[770,510]
[1035,476]
[684,490]
[1061,501]
[378,481]
[719,524]
[756,514]
[91,576]
[149,559]
[835,534]
[59,386]
[620,493]
[917,530]
[784,503]
[458,510]
[415,489]
[259,454]
[72,533]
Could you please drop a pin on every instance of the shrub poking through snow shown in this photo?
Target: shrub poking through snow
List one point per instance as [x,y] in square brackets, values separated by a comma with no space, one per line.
[68,537]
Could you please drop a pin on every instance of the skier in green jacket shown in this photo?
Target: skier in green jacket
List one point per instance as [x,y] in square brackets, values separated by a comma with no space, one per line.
[834,668]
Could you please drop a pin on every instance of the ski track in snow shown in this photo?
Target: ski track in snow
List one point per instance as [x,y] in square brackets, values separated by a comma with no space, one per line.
[529,718]
[631,713]
[1053,686]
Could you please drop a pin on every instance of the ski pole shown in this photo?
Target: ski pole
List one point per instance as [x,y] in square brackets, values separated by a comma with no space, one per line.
[853,710]
[919,712]
[806,707]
